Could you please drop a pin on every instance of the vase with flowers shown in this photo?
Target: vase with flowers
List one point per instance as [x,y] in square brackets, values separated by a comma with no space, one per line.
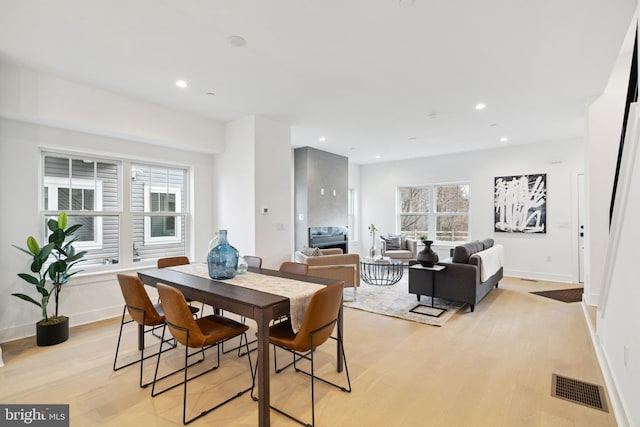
[372,233]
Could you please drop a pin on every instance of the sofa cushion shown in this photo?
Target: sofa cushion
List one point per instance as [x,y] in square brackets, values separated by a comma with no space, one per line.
[311,251]
[462,253]
[392,242]
[487,243]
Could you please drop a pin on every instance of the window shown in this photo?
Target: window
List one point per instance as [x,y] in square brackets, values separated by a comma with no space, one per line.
[87,189]
[153,224]
[439,211]
[158,208]
[352,214]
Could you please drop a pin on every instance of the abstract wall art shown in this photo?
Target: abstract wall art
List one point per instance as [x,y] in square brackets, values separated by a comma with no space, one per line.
[520,203]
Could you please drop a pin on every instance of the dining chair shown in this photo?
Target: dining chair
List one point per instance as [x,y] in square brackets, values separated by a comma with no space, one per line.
[202,333]
[317,327]
[294,268]
[145,314]
[173,262]
[253,261]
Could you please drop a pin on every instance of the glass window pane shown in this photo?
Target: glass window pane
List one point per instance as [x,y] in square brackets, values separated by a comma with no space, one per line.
[410,224]
[453,198]
[414,199]
[163,226]
[452,228]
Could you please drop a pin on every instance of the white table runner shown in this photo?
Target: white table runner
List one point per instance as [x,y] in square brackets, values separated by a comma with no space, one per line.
[298,292]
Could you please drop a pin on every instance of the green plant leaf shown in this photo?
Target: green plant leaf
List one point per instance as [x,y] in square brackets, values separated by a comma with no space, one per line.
[29,278]
[62,220]
[32,244]
[72,229]
[43,291]
[45,251]
[27,298]
[59,266]
[36,265]
[77,256]
[57,237]
[23,250]
[52,224]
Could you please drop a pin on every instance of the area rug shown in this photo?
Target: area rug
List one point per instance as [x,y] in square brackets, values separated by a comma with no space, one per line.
[564,295]
[396,301]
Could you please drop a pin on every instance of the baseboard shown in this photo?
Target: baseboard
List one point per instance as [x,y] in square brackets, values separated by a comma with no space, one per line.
[616,401]
[563,278]
[28,330]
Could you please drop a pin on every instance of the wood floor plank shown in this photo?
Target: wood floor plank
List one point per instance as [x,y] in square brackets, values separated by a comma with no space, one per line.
[491,367]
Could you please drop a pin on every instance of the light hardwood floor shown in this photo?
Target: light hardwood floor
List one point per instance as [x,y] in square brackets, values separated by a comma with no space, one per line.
[488,368]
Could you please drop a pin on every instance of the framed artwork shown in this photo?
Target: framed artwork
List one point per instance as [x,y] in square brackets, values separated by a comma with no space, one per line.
[520,203]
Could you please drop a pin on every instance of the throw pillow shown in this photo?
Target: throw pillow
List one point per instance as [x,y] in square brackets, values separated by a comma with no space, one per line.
[392,242]
[311,251]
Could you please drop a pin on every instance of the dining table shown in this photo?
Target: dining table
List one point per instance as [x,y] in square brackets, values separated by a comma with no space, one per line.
[258,305]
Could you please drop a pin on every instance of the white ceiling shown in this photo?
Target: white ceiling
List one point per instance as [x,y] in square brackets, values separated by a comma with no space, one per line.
[393,78]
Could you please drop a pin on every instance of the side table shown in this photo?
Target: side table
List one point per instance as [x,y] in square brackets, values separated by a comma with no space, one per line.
[417,272]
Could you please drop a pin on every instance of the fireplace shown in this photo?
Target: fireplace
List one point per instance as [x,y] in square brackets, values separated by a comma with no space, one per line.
[328,237]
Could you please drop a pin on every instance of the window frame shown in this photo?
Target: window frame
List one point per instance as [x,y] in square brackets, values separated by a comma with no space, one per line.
[50,191]
[148,214]
[433,214]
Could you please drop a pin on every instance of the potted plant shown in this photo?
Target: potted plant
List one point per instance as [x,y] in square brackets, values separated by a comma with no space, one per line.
[48,278]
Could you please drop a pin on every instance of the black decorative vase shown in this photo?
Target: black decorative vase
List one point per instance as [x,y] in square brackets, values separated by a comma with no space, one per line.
[51,334]
[427,257]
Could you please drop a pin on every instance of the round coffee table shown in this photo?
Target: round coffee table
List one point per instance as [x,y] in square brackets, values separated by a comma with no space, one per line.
[381,272]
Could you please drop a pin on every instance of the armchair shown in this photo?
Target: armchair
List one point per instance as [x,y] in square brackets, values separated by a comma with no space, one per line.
[333,264]
[399,247]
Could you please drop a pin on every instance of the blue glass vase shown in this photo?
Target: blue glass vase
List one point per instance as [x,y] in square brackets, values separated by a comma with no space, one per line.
[223,259]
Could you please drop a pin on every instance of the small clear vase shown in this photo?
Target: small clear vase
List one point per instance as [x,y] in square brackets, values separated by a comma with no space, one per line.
[223,259]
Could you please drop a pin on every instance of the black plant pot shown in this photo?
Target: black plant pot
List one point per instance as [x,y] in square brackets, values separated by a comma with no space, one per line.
[427,257]
[53,333]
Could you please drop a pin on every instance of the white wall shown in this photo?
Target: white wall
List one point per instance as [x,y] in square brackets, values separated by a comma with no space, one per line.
[88,297]
[274,234]
[355,245]
[34,96]
[613,283]
[234,185]
[525,255]
[255,171]
[604,127]
[38,110]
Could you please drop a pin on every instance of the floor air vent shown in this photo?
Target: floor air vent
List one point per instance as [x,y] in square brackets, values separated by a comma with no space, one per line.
[528,280]
[576,391]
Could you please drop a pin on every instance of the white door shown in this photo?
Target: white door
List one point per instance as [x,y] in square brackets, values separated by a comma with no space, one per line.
[581,229]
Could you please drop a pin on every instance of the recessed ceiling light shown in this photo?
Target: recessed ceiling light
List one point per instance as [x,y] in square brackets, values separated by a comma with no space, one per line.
[412,139]
[493,125]
[237,41]
[322,139]
[504,139]
[181,84]
[480,106]
[211,93]
[378,156]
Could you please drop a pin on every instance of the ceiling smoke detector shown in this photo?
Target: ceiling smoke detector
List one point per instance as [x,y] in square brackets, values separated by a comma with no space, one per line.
[237,41]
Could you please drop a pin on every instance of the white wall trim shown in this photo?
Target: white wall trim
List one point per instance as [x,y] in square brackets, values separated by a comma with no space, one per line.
[617,402]
[622,194]
[103,132]
[523,274]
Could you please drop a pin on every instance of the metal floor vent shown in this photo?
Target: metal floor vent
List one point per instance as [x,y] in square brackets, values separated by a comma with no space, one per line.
[528,280]
[576,391]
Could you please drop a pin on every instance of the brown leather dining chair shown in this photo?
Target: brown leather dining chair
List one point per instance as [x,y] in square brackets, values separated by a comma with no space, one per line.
[317,326]
[294,268]
[202,333]
[142,311]
[173,262]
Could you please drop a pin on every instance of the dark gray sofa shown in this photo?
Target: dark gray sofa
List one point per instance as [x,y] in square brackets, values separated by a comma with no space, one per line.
[460,281]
